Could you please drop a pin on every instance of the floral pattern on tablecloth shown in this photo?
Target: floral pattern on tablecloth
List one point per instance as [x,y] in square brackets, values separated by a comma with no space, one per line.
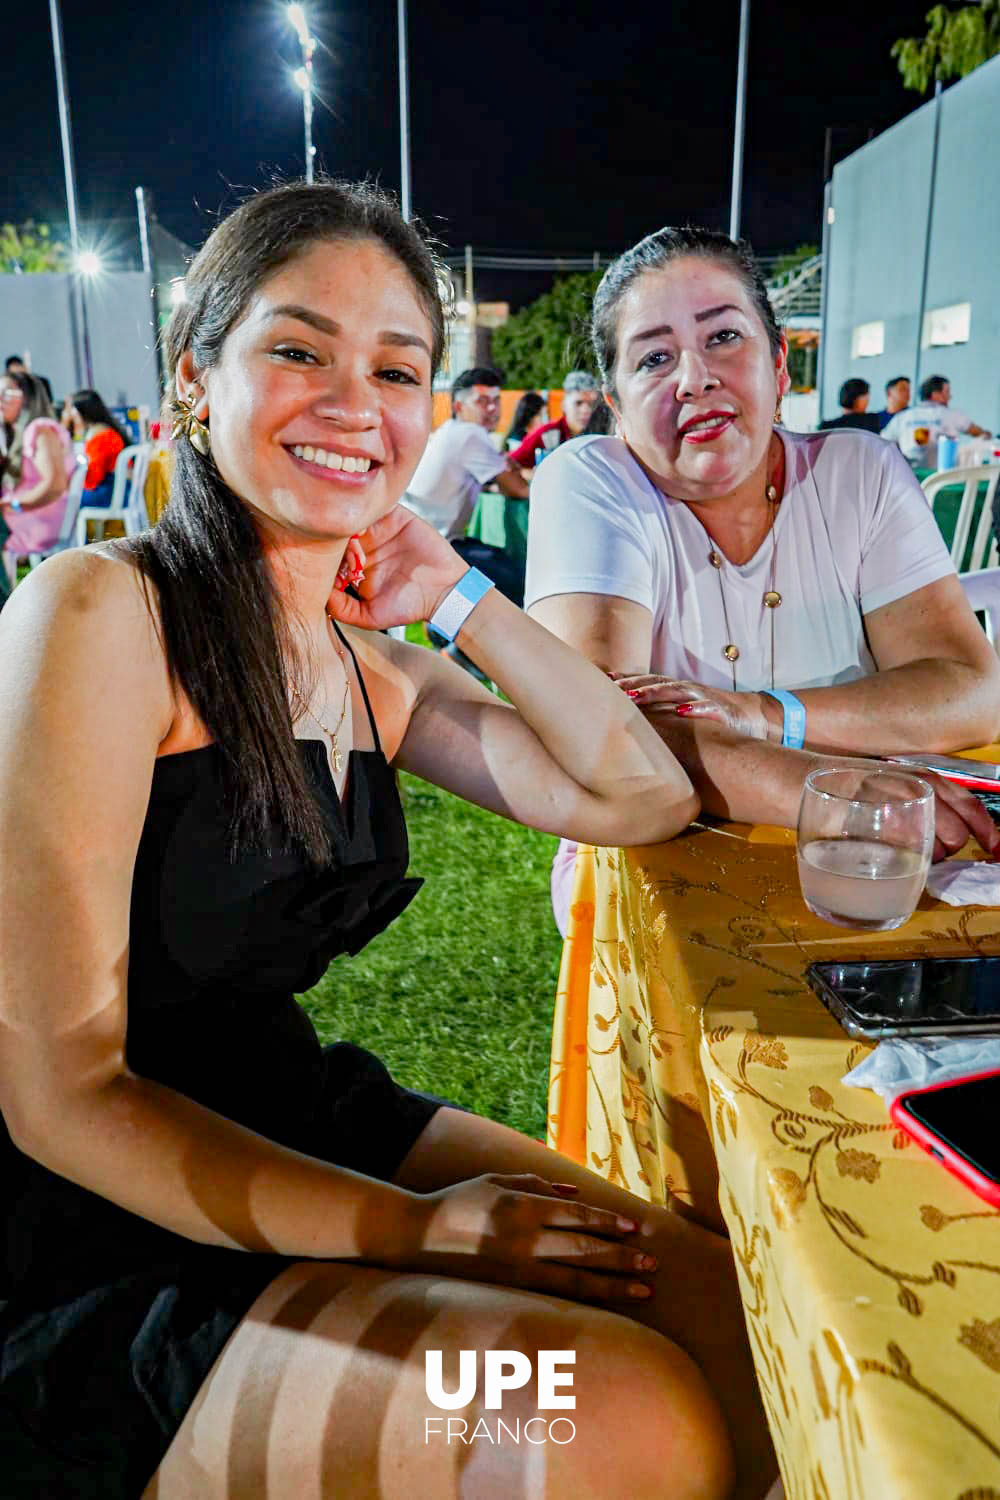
[691,1063]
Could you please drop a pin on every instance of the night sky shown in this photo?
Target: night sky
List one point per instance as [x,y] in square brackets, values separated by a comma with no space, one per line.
[562,129]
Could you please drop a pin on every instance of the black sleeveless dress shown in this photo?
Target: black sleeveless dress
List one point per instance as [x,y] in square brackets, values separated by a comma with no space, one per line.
[109,1323]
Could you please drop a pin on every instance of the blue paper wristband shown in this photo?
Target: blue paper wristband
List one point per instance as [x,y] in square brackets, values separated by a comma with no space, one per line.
[456,607]
[793,733]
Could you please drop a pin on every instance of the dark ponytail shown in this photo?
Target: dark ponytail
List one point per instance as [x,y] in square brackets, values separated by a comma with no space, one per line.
[223,626]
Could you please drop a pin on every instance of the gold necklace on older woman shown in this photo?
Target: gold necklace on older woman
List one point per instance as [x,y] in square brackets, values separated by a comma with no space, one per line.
[771,599]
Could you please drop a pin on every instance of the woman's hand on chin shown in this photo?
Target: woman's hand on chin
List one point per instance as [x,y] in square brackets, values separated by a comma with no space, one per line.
[400,568]
[743,713]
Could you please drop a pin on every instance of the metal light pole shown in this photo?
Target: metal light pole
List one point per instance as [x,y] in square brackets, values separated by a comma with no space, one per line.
[740,128]
[404,112]
[303,77]
[928,227]
[143,210]
[65,131]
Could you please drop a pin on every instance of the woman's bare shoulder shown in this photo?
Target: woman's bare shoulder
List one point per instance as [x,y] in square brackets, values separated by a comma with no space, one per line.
[96,583]
[85,620]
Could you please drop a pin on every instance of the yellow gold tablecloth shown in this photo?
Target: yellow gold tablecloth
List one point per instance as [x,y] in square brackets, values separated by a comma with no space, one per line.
[687,1051]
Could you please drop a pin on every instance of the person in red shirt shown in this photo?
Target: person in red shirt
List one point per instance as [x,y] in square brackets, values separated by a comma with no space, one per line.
[87,416]
[580,395]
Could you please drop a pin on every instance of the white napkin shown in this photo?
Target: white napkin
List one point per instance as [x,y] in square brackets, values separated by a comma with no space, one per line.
[965,882]
[898,1065]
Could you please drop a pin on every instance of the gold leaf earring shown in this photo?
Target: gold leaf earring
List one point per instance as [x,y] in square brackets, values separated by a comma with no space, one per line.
[777,412]
[186,424]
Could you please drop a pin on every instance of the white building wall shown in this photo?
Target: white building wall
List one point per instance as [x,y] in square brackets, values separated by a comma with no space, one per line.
[875,254]
[36,317]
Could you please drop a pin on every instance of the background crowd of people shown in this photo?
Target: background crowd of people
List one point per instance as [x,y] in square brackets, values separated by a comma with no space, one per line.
[39,451]
[914,429]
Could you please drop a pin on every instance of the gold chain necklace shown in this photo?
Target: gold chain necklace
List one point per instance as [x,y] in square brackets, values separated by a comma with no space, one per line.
[335,755]
[771,599]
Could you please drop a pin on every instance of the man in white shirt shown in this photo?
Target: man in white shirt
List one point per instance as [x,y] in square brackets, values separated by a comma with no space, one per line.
[917,429]
[460,458]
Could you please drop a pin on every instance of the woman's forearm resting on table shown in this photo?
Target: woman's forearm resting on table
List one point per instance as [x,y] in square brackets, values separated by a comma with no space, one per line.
[925,705]
[575,711]
[746,780]
[754,781]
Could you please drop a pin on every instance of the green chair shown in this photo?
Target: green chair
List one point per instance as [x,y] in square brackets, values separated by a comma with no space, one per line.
[962,501]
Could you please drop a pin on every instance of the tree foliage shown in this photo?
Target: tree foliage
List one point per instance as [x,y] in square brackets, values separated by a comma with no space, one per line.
[792,259]
[30,247]
[956,42]
[537,345]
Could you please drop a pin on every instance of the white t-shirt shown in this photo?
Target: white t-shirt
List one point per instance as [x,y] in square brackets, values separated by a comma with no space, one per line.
[458,460]
[917,428]
[853,532]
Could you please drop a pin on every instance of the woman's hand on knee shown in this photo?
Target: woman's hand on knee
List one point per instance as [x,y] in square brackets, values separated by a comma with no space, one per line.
[524,1231]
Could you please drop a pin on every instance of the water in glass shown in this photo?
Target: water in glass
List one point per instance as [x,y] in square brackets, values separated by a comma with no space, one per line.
[864,846]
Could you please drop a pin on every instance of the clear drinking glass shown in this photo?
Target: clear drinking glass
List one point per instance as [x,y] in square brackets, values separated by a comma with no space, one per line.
[864,845]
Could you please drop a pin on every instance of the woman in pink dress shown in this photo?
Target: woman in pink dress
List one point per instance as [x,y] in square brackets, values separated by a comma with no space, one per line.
[36,471]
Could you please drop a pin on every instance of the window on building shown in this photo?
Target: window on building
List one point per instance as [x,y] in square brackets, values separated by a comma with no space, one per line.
[867,339]
[947,325]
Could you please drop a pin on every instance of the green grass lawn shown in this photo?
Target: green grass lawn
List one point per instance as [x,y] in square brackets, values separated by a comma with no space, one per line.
[456,997]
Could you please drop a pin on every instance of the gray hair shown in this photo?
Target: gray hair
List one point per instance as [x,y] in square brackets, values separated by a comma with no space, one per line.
[581,380]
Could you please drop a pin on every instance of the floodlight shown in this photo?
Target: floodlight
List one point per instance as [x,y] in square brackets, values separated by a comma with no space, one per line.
[301,77]
[88,262]
[297,20]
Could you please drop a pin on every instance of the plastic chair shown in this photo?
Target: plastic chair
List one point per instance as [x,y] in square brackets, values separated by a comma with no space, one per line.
[74,494]
[982,589]
[985,553]
[128,502]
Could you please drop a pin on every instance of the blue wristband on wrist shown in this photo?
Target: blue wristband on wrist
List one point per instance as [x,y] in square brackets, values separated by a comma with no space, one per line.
[793,733]
[456,607]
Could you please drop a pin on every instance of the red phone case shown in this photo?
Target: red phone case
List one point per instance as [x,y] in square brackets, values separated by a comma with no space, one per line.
[965,774]
[985,1187]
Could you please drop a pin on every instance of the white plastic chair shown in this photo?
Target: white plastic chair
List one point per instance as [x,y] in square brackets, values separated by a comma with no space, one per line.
[984,546]
[74,494]
[128,501]
[982,589]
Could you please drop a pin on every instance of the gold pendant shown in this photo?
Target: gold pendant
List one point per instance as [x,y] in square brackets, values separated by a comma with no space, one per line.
[731,652]
[772,599]
[715,559]
[335,755]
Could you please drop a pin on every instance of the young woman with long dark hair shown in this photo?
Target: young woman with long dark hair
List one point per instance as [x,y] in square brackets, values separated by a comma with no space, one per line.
[228,1249]
[87,417]
[527,416]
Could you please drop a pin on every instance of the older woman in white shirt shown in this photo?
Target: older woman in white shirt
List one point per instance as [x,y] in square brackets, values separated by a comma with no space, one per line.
[771,598]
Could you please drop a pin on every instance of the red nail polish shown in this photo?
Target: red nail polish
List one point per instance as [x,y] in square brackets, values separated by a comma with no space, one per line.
[632,693]
[684,709]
